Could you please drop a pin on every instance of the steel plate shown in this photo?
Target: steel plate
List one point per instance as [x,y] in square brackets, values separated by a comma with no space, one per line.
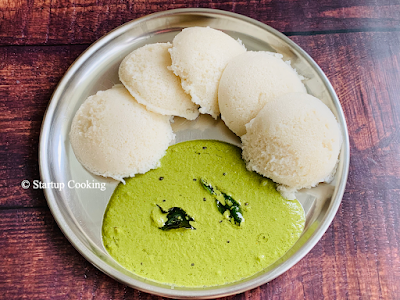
[79,212]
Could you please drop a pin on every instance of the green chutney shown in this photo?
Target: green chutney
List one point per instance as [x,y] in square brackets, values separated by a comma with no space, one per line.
[217,251]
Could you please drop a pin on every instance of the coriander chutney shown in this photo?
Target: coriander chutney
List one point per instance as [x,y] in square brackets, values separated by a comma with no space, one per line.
[214,250]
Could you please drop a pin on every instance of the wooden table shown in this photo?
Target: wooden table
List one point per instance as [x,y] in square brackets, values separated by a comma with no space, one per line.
[357,45]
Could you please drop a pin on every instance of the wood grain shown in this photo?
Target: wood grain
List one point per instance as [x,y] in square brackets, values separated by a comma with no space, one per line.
[84,21]
[357,45]
[369,93]
[28,76]
[357,258]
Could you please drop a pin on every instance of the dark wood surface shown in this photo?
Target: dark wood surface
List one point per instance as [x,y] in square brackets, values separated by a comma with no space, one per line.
[357,45]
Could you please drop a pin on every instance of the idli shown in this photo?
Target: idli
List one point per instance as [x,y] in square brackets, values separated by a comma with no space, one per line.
[144,73]
[295,141]
[114,136]
[249,81]
[199,55]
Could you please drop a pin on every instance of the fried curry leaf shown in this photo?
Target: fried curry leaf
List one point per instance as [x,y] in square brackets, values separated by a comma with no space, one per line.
[230,204]
[207,186]
[220,206]
[176,218]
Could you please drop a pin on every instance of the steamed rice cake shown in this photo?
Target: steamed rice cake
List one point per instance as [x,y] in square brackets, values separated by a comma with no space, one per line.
[199,55]
[144,73]
[295,141]
[249,81]
[114,136]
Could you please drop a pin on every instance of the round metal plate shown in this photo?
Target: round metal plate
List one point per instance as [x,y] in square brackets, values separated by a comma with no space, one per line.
[79,212]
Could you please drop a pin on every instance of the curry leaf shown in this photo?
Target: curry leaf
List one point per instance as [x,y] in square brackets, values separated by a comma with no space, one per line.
[176,218]
[230,204]
[207,186]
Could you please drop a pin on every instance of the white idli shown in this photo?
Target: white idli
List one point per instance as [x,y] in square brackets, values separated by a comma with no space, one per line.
[114,136]
[295,141]
[249,81]
[199,55]
[144,73]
